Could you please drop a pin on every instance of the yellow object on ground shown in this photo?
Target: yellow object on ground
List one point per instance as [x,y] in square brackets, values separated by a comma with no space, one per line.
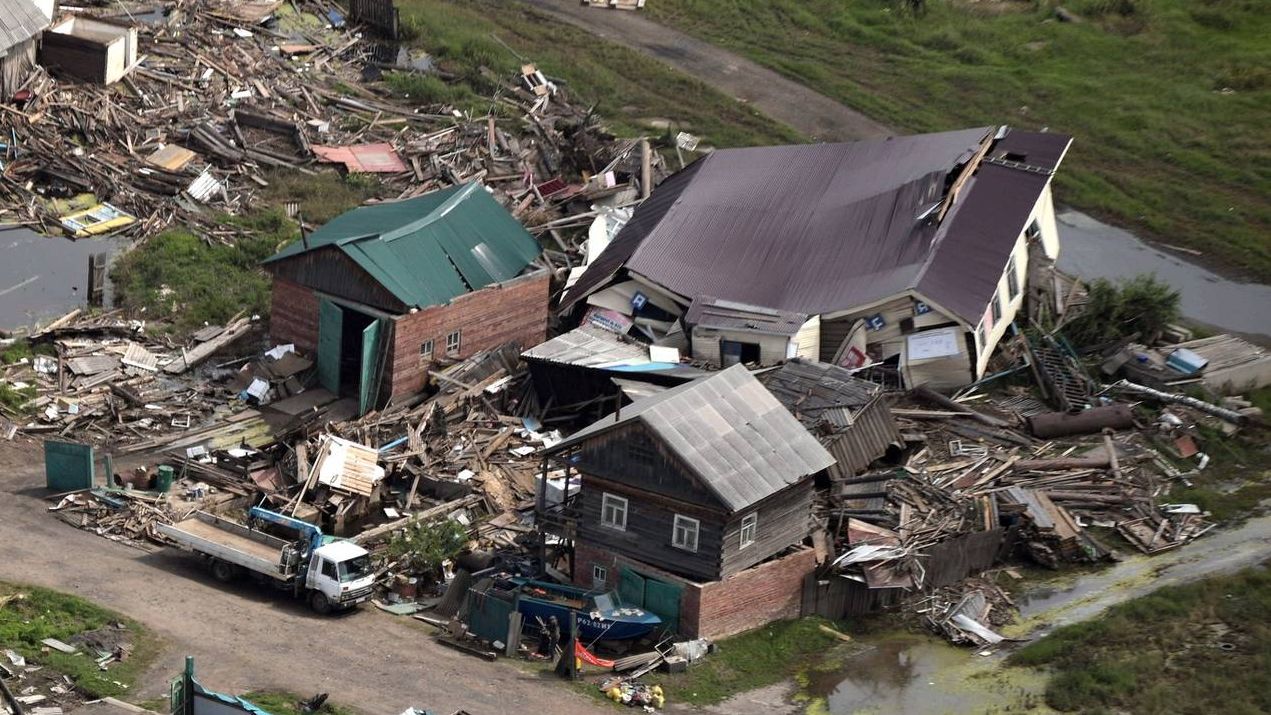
[95,221]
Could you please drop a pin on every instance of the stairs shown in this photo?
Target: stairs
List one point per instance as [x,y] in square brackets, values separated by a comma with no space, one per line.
[1060,375]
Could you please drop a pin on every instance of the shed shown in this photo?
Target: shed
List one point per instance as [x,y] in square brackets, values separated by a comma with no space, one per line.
[21,22]
[848,415]
[383,292]
[726,332]
[90,49]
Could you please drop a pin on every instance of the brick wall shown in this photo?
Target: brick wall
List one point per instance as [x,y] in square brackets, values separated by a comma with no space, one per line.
[513,311]
[293,316]
[761,594]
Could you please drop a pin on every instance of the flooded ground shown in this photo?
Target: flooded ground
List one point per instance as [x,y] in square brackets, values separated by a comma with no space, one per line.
[1092,249]
[912,673]
[42,277]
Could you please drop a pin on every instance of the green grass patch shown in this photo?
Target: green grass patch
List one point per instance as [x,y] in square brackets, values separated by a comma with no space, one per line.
[1182,649]
[187,281]
[771,654]
[12,399]
[1237,482]
[322,196]
[34,614]
[278,702]
[627,88]
[1167,99]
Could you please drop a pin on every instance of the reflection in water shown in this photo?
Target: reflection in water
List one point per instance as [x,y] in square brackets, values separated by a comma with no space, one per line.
[41,277]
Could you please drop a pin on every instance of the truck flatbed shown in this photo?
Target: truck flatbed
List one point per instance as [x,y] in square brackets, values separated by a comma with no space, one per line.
[231,542]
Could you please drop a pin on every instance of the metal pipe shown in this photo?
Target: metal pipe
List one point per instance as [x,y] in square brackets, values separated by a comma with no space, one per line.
[1230,415]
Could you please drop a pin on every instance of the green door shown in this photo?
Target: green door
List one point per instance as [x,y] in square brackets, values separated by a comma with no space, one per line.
[663,599]
[68,466]
[369,374]
[631,588]
[330,333]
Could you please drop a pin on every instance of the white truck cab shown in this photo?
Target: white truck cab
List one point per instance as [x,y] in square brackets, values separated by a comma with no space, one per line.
[340,575]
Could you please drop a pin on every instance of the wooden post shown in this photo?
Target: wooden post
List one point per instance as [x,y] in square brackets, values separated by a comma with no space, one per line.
[646,169]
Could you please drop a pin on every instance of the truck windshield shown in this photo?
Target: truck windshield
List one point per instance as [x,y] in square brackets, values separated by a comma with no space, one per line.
[355,568]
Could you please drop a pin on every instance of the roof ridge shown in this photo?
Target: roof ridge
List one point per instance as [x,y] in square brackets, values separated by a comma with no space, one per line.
[433,216]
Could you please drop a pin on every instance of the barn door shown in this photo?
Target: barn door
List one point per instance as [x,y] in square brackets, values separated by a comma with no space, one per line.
[330,334]
[663,600]
[631,588]
[369,372]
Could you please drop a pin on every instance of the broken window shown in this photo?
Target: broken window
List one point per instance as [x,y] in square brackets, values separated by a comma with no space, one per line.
[613,512]
[1034,230]
[749,528]
[599,575]
[452,343]
[981,337]
[684,533]
[997,307]
[425,351]
[1012,278]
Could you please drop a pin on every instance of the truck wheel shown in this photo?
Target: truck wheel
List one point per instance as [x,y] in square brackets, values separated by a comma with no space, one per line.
[223,571]
[319,603]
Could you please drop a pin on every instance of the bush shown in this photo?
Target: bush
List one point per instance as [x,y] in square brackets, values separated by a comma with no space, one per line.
[1142,305]
[425,546]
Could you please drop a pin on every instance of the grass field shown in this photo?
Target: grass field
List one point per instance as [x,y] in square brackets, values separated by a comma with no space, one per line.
[1200,648]
[31,614]
[630,91]
[1168,99]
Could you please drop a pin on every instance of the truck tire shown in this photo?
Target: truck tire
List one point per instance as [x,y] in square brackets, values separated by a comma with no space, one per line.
[319,603]
[224,571]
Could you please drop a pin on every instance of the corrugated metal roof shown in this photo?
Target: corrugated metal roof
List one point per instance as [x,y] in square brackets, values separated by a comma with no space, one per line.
[818,392]
[713,313]
[430,249]
[742,442]
[829,227]
[589,346]
[20,20]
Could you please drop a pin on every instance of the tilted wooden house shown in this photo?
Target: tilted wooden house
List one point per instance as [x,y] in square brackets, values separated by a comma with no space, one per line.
[685,492]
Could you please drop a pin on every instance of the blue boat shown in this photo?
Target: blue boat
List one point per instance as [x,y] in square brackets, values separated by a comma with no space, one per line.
[601,615]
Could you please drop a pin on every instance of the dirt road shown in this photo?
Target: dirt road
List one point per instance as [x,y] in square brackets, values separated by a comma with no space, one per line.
[808,111]
[244,638]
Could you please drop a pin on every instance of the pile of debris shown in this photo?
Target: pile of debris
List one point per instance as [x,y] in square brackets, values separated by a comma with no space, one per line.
[40,690]
[220,91]
[102,379]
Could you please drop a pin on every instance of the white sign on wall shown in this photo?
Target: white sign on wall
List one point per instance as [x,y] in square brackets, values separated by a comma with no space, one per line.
[933,344]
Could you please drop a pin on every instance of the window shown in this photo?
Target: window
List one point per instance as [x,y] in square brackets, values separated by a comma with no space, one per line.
[997,307]
[425,351]
[749,527]
[599,575]
[452,343]
[1012,278]
[684,533]
[1034,230]
[328,570]
[981,336]
[613,512]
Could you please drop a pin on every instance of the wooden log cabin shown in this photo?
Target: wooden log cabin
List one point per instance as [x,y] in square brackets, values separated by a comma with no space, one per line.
[694,486]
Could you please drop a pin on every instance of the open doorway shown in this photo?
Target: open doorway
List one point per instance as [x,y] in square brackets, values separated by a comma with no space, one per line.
[350,357]
[732,352]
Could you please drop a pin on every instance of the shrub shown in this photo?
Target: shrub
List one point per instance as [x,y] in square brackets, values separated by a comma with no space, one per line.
[425,546]
[1142,305]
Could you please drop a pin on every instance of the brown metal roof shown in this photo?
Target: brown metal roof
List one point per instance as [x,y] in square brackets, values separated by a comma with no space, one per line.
[713,313]
[742,442]
[829,227]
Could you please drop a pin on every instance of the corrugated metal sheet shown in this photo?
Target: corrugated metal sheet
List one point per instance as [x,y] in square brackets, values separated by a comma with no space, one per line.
[589,346]
[430,249]
[742,442]
[713,313]
[20,20]
[830,227]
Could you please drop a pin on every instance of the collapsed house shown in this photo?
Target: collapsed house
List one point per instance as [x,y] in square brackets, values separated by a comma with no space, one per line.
[911,253]
[694,504]
[383,292]
[21,22]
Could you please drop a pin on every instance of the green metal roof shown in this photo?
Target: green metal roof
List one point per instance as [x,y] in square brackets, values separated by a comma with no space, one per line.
[430,249]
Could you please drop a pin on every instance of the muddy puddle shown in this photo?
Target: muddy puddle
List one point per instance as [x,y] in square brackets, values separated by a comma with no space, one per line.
[42,277]
[1092,249]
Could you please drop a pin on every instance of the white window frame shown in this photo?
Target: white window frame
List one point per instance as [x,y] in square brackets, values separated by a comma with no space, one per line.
[1012,279]
[599,576]
[613,499]
[426,350]
[749,523]
[454,342]
[687,521]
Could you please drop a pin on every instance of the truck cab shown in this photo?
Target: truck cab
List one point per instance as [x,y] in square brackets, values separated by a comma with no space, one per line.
[340,576]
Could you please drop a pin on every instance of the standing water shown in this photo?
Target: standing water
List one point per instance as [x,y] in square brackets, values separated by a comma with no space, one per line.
[1091,249]
[42,277]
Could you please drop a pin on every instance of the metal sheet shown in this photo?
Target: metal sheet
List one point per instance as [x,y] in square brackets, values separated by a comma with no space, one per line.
[330,337]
